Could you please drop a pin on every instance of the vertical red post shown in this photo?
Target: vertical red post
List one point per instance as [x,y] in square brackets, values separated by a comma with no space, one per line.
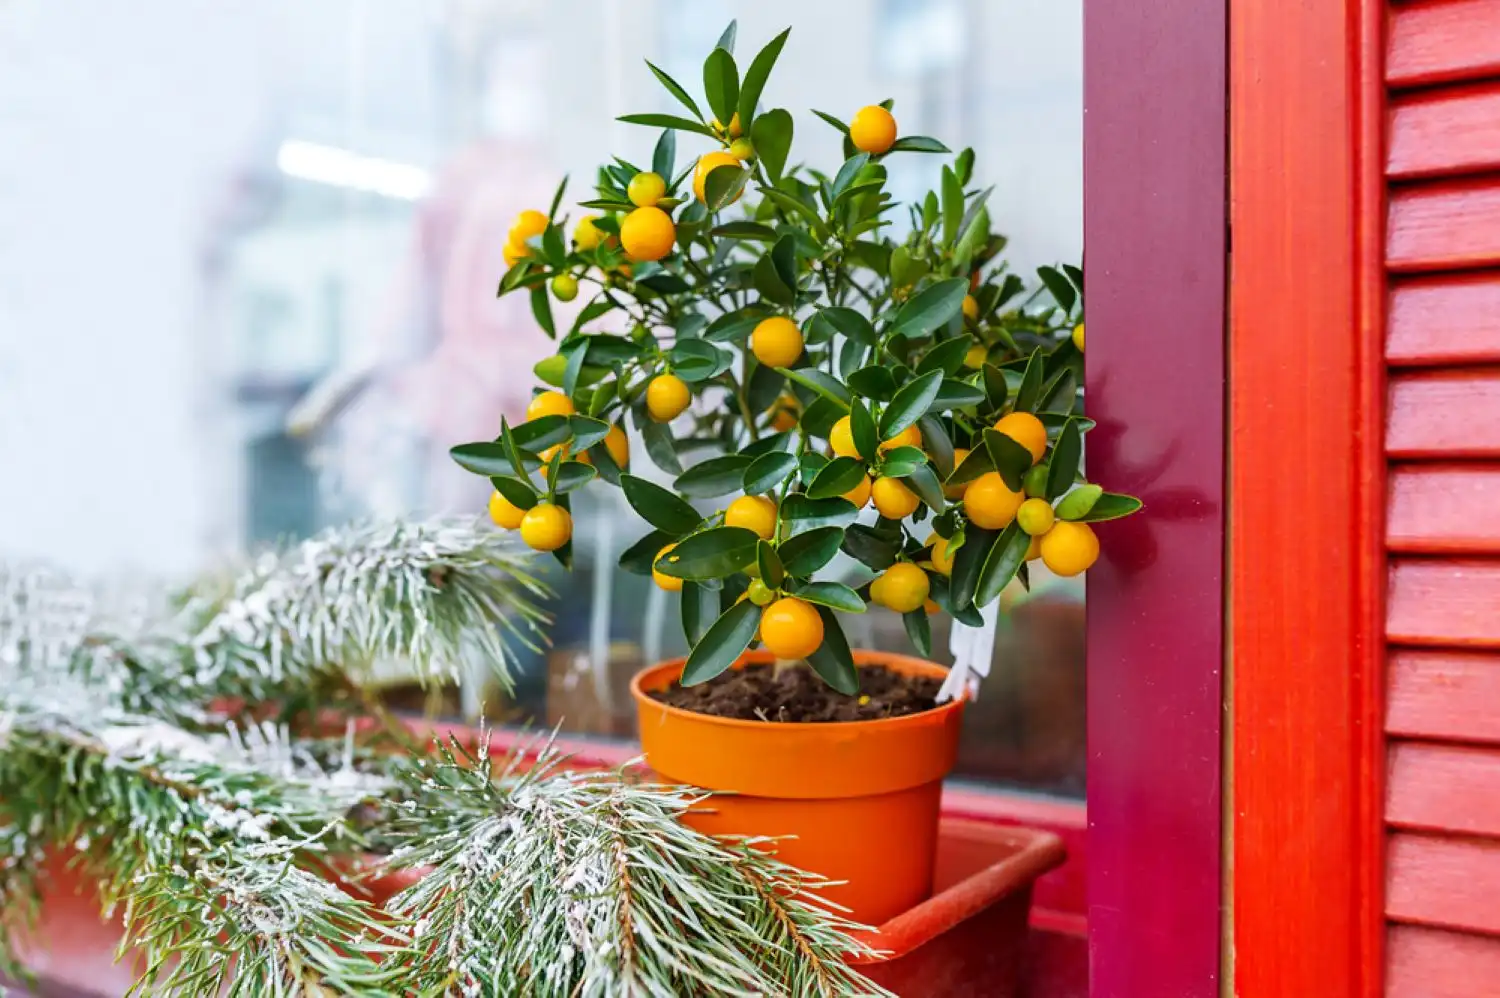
[1154,244]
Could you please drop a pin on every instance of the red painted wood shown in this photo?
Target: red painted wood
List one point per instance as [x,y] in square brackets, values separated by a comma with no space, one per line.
[1444,788]
[1436,963]
[1306,367]
[1444,601]
[1445,132]
[1444,695]
[1154,210]
[1444,881]
[1450,225]
[1443,40]
[1444,508]
[1451,319]
[1449,414]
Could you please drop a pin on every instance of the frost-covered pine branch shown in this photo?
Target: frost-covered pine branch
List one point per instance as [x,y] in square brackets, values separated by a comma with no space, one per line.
[550,882]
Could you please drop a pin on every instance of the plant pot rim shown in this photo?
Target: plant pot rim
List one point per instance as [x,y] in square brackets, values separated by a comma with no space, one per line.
[906,664]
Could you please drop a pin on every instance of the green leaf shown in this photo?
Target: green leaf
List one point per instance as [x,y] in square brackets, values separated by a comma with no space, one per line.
[1111,506]
[848,322]
[557,196]
[723,643]
[756,76]
[771,571]
[1060,287]
[769,283]
[666,121]
[900,462]
[836,477]
[953,205]
[572,475]
[553,248]
[832,661]
[918,631]
[836,123]
[771,134]
[717,476]
[784,258]
[573,367]
[664,156]
[873,382]
[662,509]
[825,385]
[996,389]
[832,594]
[1007,555]
[768,471]
[1061,393]
[862,429]
[956,394]
[676,90]
[587,431]
[915,143]
[874,547]
[802,514]
[765,387]
[1062,466]
[932,308]
[710,554]
[607,204]
[540,433]
[1079,503]
[698,360]
[936,442]
[804,554]
[818,418]
[519,494]
[1030,392]
[541,307]
[847,173]
[924,482]
[726,40]
[660,446]
[744,230]
[969,562]
[508,440]
[637,558]
[700,608]
[797,206]
[721,84]
[963,165]
[724,184]
[910,404]
[947,356]
[1010,458]
[737,325]
[482,458]
[978,462]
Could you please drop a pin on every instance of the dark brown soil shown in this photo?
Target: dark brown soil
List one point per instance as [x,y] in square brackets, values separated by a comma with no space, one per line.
[756,693]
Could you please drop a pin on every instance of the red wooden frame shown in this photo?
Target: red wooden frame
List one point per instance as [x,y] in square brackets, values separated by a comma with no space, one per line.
[1306,582]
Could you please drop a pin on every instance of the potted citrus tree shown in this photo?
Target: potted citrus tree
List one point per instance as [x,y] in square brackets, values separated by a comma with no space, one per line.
[812,369]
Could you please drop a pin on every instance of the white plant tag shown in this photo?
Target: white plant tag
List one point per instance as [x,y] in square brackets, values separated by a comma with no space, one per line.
[972,648]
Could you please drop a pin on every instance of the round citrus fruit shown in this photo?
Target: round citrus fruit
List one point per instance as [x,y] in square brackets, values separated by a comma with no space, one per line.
[645,189]
[666,397]
[1026,430]
[990,503]
[776,342]
[550,404]
[647,234]
[565,287]
[909,437]
[503,513]
[841,438]
[893,499]
[546,527]
[586,234]
[742,150]
[1078,337]
[733,130]
[1035,482]
[971,307]
[942,558]
[529,223]
[1035,517]
[754,513]
[618,445]
[791,628]
[873,129]
[784,413]
[957,491]
[760,594]
[976,356]
[903,587]
[670,583]
[860,494]
[1069,548]
[1034,549]
[515,252]
[708,163]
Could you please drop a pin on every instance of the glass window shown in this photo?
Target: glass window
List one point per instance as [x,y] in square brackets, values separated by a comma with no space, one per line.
[250,255]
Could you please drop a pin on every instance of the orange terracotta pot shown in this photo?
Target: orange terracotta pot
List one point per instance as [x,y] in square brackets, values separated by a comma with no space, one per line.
[859,799]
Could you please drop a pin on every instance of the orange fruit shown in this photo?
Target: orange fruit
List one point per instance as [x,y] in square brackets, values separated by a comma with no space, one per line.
[893,499]
[666,397]
[957,491]
[989,502]
[784,414]
[1035,517]
[742,150]
[903,587]
[529,223]
[550,404]
[514,253]
[976,355]
[565,287]
[503,513]
[1034,549]
[586,234]
[734,130]
[754,513]
[841,438]
[708,163]
[909,437]
[1069,548]
[546,527]
[860,494]
[971,308]
[1026,430]
[647,234]
[873,129]
[1078,337]
[645,189]
[791,629]
[670,583]
[776,342]
[618,445]
[942,559]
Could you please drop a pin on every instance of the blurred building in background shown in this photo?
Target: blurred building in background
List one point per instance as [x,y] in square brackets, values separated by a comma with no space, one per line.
[248,254]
